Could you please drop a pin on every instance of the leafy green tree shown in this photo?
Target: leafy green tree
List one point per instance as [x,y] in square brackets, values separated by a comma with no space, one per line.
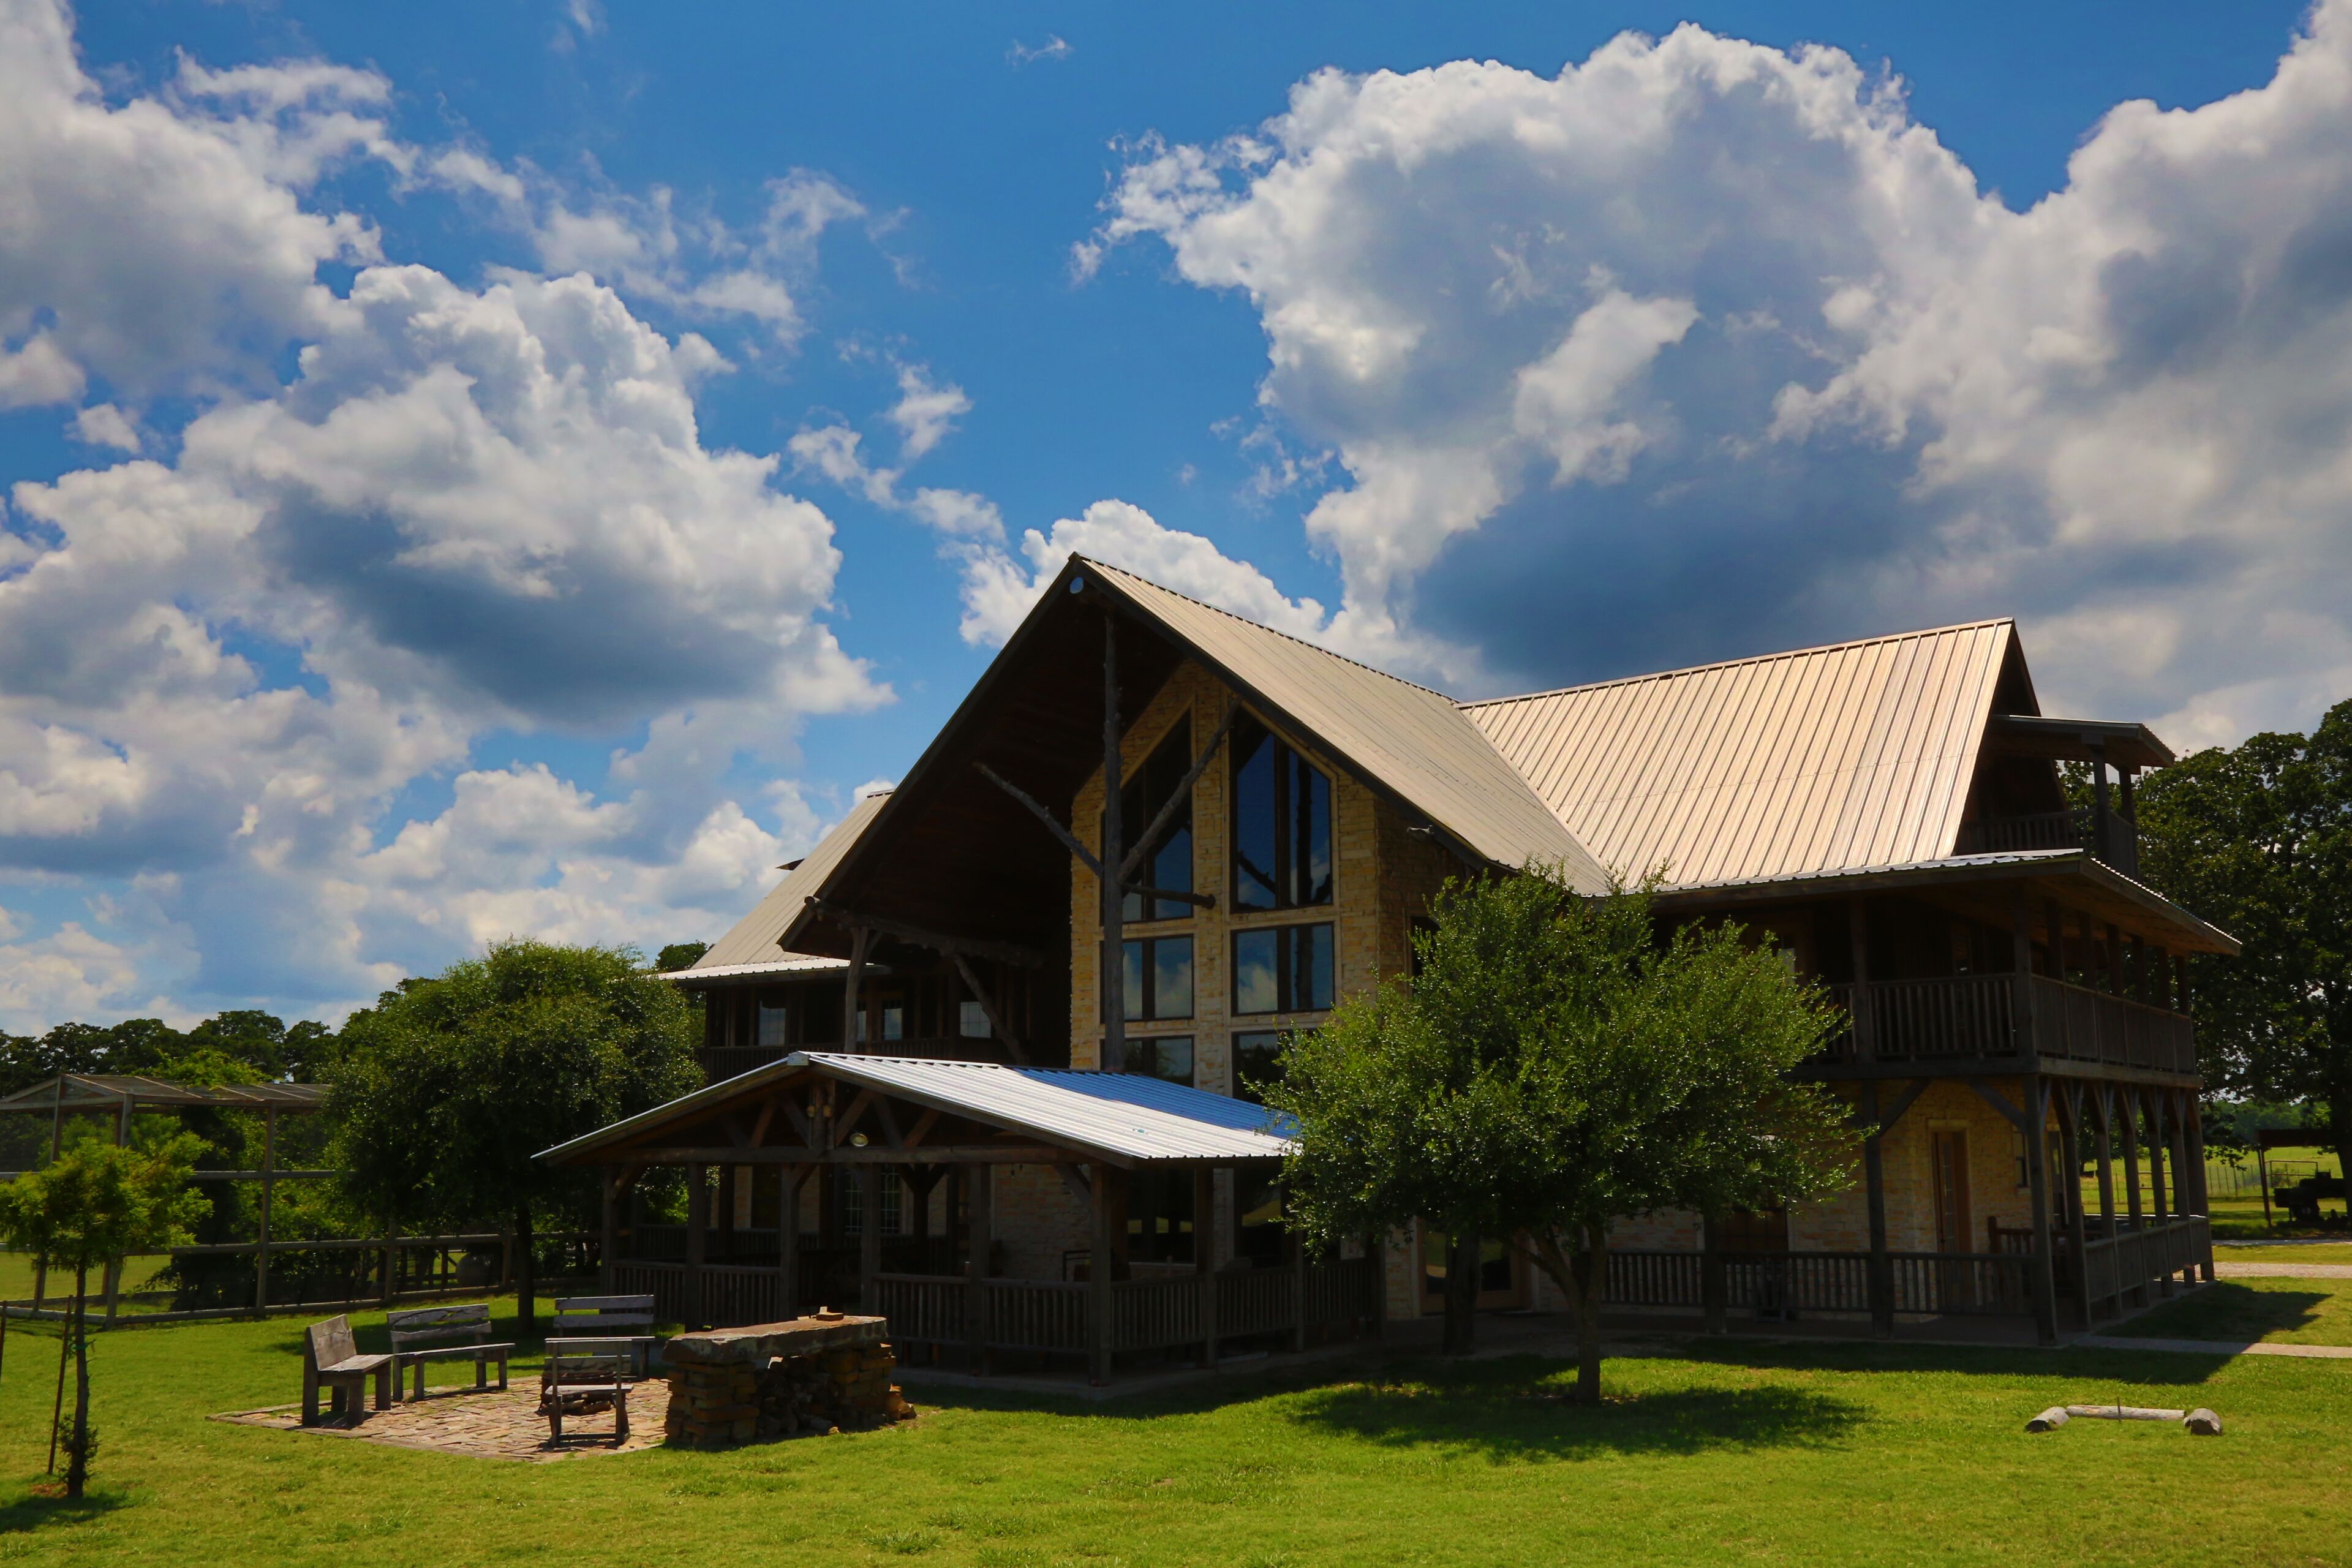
[2258,839]
[89,1208]
[681,955]
[1557,1066]
[447,1088]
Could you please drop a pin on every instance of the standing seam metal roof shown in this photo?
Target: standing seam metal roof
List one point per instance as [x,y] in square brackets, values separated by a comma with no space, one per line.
[1128,1117]
[1855,755]
[1408,739]
[752,940]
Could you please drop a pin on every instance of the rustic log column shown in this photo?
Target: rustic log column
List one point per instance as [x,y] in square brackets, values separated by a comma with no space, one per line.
[268,1181]
[2204,1199]
[2078,1233]
[978,1225]
[2099,845]
[1865,1034]
[1114,851]
[1880,1284]
[698,1222]
[869,1230]
[1713,1297]
[788,1238]
[2035,1091]
[2128,1096]
[608,1191]
[1099,1296]
[1205,1258]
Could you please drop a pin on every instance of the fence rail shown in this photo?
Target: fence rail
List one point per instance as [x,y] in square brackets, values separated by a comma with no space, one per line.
[1337,1297]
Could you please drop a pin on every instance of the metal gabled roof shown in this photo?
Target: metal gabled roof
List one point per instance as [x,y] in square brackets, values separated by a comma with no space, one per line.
[793,965]
[1415,744]
[1127,1118]
[753,938]
[1854,755]
[79,1090]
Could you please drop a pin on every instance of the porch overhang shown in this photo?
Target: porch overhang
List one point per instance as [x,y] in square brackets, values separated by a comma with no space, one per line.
[823,1107]
[1985,886]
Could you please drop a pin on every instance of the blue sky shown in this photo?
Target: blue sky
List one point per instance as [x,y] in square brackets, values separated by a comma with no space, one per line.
[442,516]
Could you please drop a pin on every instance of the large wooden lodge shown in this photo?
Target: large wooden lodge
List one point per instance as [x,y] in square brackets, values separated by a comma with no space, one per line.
[967,1067]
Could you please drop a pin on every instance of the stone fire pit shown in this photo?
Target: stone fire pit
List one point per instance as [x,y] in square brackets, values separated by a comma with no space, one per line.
[808,1376]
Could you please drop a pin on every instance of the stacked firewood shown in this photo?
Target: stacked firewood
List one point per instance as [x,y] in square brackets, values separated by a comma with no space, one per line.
[848,1388]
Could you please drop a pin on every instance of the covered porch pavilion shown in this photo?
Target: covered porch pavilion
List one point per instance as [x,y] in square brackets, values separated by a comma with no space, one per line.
[964,1122]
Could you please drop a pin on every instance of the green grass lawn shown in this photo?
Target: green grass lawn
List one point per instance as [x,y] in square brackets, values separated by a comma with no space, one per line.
[2287,1312]
[1736,1453]
[16,1277]
[2309,1252]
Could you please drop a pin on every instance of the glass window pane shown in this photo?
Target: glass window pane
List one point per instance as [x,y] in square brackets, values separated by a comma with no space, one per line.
[972,1021]
[894,1022]
[1257,1061]
[1172,869]
[1131,1000]
[1255,813]
[1254,973]
[1311,844]
[1172,984]
[1311,982]
[772,1020]
[1173,1059]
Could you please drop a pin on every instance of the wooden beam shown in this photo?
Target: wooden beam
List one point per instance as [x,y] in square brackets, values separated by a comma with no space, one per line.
[859,935]
[1904,1102]
[846,1123]
[1086,856]
[988,1006]
[1198,901]
[874,1154]
[1076,1181]
[1999,1102]
[1003,951]
[1111,981]
[923,1124]
[1132,860]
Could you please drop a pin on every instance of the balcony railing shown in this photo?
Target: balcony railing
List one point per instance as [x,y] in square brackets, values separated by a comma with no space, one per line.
[2076,829]
[1975,1017]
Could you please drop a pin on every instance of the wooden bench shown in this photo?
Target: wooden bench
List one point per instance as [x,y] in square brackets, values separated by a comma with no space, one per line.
[443,1333]
[330,1357]
[574,1313]
[585,1386]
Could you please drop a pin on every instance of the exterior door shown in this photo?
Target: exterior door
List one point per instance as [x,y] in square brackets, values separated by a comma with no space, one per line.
[1955,1280]
[1502,1281]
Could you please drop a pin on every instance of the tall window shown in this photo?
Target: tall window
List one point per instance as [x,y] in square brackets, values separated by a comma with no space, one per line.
[1160,1217]
[972,1020]
[773,1025]
[849,1194]
[1282,969]
[1257,1061]
[1168,863]
[1159,978]
[1282,824]
[1165,1057]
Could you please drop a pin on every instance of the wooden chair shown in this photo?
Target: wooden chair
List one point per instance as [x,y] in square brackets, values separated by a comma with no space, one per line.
[625,1312]
[425,1333]
[585,1386]
[330,1357]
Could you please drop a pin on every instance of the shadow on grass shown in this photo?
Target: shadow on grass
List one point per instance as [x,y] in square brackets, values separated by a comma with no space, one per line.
[1499,1409]
[33,1511]
[2228,1310]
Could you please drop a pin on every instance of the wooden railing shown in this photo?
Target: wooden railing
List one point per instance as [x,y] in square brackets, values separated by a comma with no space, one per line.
[1336,1298]
[2076,829]
[1970,1017]
[1969,1284]
[2130,1260]
[1650,1278]
[1774,1282]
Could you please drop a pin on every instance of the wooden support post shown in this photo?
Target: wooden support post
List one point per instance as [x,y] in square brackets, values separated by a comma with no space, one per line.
[869,1230]
[2022,995]
[1205,1258]
[2035,1091]
[1098,1294]
[2078,1233]
[2195,1120]
[2099,845]
[1880,1283]
[977,1235]
[698,1224]
[609,1242]
[268,1180]
[113,1275]
[1114,851]
[1865,1034]
[851,1039]
[788,1238]
[1714,1286]
[2128,1098]
[391,1280]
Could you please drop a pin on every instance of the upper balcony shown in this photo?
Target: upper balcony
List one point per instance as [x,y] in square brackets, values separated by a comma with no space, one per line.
[1978,1019]
[2108,836]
